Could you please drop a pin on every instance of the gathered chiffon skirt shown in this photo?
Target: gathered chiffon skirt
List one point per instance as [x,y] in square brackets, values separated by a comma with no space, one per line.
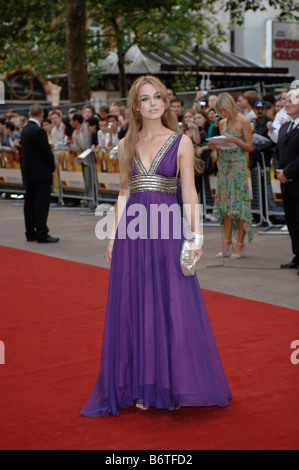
[158,346]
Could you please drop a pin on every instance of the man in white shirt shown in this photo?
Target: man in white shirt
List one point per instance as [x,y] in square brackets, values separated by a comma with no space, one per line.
[280,118]
[113,129]
[57,133]
[82,141]
[250,97]
[103,134]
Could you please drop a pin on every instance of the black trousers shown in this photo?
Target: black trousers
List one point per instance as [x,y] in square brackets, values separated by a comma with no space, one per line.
[36,209]
[291,209]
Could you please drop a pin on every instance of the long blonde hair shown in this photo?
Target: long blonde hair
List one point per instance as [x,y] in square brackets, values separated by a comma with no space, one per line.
[226,101]
[135,124]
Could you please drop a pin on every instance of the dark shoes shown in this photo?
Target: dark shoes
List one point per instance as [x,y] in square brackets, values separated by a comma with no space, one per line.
[291,265]
[48,239]
[31,239]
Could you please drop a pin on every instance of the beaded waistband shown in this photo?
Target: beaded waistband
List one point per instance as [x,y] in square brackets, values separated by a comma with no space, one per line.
[158,183]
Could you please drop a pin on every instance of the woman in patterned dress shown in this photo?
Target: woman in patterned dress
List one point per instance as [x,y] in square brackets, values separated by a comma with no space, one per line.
[232,200]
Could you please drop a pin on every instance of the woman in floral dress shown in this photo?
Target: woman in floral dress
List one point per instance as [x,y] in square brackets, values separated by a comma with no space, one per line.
[232,200]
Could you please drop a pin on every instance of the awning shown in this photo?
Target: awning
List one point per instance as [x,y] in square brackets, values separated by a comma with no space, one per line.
[141,61]
[136,63]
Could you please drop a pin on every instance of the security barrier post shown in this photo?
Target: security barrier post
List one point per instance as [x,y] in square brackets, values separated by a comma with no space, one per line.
[271,206]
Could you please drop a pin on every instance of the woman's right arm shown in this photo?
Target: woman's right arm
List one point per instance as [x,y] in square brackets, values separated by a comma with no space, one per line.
[123,196]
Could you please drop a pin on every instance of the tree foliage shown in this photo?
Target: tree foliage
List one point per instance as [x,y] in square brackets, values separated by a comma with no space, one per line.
[33,32]
[76,51]
[286,9]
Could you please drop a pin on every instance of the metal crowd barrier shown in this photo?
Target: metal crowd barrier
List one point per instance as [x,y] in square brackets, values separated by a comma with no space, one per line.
[90,176]
[207,195]
[74,174]
[103,171]
[266,200]
[11,180]
[257,195]
[272,201]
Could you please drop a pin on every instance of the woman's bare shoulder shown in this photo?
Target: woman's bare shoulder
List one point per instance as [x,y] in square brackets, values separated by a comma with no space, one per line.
[185,141]
[121,143]
[243,119]
[121,147]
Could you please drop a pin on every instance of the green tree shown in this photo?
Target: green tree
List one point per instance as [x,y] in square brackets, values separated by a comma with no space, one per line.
[171,25]
[32,33]
[168,26]
[51,36]
[76,51]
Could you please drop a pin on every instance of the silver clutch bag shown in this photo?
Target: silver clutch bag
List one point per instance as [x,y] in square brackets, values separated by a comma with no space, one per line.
[188,265]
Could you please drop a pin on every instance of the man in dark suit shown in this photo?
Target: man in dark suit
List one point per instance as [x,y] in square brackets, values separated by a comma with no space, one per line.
[38,167]
[287,172]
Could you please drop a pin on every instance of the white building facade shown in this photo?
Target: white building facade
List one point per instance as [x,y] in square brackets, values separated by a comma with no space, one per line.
[267,41]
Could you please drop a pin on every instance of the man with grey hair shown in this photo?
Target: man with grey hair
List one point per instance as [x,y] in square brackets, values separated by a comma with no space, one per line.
[287,172]
[38,167]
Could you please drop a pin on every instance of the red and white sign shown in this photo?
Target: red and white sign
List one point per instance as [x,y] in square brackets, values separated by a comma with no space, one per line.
[283,45]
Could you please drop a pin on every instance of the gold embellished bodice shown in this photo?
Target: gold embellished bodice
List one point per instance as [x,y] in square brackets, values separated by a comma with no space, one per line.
[148,180]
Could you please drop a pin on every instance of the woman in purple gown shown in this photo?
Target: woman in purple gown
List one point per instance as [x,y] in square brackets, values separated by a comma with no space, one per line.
[158,346]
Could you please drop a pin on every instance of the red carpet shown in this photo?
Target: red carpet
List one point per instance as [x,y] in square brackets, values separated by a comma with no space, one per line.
[52,315]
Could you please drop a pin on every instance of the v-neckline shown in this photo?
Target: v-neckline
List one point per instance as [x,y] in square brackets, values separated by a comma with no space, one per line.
[161,153]
[230,125]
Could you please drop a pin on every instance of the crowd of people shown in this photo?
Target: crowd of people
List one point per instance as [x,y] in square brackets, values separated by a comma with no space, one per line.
[107,126]
[86,128]
[81,129]
[78,130]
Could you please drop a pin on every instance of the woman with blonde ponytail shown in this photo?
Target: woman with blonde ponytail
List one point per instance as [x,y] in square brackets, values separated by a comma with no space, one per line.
[158,346]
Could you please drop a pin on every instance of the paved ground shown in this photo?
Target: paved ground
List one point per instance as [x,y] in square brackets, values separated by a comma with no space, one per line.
[256,276]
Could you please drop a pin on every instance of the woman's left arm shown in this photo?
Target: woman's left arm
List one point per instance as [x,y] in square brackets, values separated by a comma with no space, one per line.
[245,144]
[196,135]
[189,194]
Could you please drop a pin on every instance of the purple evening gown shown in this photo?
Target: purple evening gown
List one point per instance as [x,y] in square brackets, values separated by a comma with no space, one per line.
[158,345]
